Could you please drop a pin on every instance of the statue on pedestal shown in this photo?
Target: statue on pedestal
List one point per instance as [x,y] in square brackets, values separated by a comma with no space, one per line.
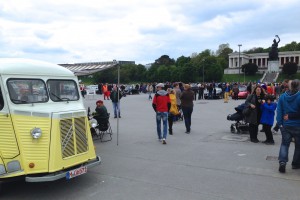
[273,54]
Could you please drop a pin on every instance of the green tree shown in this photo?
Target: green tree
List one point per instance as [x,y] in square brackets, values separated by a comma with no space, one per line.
[164,60]
[187,73]
[290,68]
[212,68]
[249,68]
[151,73]
[182,60]
[222,53]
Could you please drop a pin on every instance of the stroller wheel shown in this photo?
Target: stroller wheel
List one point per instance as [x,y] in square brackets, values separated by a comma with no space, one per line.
[232,129]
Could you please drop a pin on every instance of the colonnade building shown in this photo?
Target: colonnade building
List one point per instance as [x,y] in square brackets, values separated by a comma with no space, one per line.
[260,59]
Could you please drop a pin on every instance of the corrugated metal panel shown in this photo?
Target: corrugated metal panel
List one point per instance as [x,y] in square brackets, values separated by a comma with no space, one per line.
[8,143]
[33,149]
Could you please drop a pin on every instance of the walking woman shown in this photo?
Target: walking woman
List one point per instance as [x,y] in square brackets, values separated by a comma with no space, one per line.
[173,109]
[253,102]
[187,105]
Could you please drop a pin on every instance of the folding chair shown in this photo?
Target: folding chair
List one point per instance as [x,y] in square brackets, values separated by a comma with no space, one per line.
[103,129]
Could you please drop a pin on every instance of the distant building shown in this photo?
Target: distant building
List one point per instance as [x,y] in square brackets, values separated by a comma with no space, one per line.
[260,59]
[81,69]
[148,65]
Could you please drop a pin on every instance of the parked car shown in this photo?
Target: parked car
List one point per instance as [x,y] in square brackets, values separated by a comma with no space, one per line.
[218,94]
[243,93]
[129,89]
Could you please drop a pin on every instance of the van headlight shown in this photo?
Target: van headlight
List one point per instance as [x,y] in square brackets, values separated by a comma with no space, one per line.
[93,123]
[36,133]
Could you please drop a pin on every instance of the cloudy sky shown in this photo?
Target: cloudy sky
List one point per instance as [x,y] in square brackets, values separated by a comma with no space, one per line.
[72,31]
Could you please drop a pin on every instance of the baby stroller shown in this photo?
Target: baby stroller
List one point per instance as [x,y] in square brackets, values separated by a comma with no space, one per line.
[240,126]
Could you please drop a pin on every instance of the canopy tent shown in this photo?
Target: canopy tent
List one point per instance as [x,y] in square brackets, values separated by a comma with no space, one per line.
[81,69]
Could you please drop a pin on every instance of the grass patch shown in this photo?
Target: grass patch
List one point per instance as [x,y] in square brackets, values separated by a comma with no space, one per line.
[240,78]
[281,77]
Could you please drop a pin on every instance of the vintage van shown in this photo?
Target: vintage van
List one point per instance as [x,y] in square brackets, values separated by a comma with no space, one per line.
[44,129]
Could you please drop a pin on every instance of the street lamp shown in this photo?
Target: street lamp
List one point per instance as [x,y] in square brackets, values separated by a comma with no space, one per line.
[203,70]
[240,58]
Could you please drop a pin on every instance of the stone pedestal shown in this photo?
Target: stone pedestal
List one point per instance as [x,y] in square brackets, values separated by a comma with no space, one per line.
[273,66]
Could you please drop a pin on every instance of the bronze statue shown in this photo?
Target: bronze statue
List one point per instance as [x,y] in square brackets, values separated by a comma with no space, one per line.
[273,54]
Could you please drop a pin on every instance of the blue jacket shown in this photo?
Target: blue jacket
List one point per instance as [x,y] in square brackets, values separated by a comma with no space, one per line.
[288,103]
[268,113]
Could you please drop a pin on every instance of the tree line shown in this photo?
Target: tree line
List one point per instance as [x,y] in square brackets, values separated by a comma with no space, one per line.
[206,66]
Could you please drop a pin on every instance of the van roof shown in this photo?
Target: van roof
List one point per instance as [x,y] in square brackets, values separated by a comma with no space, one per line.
[21,66]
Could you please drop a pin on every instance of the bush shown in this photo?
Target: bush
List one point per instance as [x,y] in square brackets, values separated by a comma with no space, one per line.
[250,68]
[289,68]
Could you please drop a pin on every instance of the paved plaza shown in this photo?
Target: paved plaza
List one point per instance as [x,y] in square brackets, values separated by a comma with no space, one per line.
[209,163]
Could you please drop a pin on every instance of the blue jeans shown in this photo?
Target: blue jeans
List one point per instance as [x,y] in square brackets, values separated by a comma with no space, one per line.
[116,107]
[187,114]
[164,117]
[289,132]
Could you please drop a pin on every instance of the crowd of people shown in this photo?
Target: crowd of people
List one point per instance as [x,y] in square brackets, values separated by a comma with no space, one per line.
[172,102]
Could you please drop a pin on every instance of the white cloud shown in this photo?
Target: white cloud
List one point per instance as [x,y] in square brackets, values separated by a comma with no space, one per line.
[78,31]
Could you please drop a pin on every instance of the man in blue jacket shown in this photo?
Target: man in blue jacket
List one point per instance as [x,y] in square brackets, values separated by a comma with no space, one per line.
[289,102]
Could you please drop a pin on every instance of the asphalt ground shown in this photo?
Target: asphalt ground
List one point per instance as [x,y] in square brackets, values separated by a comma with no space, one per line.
[208,163]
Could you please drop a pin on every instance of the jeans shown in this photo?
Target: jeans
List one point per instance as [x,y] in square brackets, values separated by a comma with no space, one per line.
[116,107]
[187,114]
[289,132]
[164,117]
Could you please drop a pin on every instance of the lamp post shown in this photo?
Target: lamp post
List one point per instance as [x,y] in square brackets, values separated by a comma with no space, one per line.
[203,70]
[240,58]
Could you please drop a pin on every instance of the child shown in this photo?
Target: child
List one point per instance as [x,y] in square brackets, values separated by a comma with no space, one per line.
[267,118]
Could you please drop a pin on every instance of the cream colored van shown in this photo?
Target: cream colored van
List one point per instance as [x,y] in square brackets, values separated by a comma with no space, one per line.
[44,130]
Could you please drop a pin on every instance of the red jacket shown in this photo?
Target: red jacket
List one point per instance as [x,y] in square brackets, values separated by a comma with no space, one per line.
[161,101]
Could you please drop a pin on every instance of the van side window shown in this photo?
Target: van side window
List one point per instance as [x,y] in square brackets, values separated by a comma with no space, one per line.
[1,99]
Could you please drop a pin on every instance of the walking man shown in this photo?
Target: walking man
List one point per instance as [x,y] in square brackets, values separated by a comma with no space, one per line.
[115,97]
[161,105]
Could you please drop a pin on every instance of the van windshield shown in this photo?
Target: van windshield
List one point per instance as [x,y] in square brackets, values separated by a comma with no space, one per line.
[22,91]
[63,90]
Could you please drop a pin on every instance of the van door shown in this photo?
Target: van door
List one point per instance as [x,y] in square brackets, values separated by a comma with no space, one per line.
[8,144]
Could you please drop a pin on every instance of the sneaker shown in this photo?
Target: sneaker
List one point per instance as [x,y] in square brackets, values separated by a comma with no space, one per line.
[164,141]
[274,132]
[282,167]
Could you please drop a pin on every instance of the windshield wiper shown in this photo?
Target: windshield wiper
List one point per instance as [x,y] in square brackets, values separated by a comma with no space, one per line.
[60,99]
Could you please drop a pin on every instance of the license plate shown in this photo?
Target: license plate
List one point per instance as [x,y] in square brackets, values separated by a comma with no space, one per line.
[76,172]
